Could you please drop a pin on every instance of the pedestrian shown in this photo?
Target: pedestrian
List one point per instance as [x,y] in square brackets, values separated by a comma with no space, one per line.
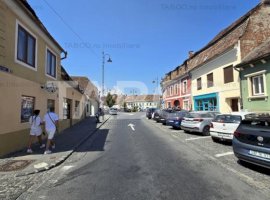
[35,131]
[51,125]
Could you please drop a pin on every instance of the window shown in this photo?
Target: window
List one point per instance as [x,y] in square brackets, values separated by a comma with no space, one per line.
[186,104]
[199,83]
[228,74]
[27,108]
[185,87]
[257,85]
[210,81]
[176,89]
[26,47]
[51,64]
[77,108]
[66,108]
[50,104]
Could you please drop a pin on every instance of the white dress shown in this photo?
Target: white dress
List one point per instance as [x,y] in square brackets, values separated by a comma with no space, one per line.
[35,122]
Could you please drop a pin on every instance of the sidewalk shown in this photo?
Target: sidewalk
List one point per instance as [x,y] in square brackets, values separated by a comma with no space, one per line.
[20,163]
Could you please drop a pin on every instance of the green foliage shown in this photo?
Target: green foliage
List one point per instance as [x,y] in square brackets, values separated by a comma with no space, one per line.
[110,100]
[135,109]
[125,105]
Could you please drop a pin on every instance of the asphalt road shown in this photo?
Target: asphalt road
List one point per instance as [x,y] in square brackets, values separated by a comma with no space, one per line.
[141,162]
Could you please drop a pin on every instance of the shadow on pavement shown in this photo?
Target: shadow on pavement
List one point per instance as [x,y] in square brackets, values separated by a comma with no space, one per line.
[68,139]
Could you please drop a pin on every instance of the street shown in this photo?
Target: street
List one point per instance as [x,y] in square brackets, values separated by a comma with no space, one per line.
[132,157]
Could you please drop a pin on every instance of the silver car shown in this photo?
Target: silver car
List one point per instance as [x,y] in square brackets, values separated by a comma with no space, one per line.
[198,121]
[113,111]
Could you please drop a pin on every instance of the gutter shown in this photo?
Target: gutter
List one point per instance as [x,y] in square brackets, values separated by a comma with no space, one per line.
[241,94]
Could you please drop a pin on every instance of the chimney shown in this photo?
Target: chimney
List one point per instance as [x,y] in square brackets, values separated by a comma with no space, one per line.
[190,54]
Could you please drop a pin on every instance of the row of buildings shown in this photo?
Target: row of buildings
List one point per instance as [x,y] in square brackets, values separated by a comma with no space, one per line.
[230,73]
[32,77]
[140,102]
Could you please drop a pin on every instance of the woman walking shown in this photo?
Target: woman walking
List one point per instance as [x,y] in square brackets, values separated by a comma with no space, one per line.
[35,131]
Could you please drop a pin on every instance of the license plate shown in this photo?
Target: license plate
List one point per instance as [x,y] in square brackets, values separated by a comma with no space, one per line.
[170,121]
[259,154]
[222,135]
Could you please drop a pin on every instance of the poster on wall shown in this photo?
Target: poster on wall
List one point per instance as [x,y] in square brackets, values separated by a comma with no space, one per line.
[27,108]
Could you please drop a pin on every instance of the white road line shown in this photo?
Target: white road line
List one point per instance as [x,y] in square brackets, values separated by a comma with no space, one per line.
[224,154]
[67,167]
[197,138]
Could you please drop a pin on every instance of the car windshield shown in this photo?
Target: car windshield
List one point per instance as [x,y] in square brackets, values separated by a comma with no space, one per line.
[178,114]
[228,118]
[200,115]
[257,123]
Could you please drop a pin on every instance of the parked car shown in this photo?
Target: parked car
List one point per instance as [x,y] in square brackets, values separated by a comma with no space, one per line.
[156,115]
[164,114]
[113,111]
[198,121]
[175,118]
[251,141]
[149,112]
[224,125]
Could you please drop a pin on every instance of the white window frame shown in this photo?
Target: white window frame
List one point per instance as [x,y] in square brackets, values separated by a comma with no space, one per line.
[18,23]
[184,87]
[259,77]
[187,104]
[56,61]
[251,87]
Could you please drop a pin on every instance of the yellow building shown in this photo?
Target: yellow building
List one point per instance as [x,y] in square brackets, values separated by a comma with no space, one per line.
[31,76]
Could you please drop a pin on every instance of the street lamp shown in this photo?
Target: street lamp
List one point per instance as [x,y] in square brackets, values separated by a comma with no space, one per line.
[103,64]
[156,80]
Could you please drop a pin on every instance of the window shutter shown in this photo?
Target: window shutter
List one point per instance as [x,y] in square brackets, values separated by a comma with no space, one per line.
[228,74]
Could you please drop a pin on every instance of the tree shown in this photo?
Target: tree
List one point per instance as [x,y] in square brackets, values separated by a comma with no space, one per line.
[110,100]
[125,105]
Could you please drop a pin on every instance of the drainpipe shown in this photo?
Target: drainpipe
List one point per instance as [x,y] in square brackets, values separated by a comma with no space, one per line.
[241,94]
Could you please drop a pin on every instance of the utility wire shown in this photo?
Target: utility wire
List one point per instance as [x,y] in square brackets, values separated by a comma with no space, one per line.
[69,27]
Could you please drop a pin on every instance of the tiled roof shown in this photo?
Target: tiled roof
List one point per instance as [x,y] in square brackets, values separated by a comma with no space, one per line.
[88,87]
[32,13]
[260,52]
[142,98]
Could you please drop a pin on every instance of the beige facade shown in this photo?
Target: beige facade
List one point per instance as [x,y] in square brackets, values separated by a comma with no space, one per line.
[26,81]
[225,92]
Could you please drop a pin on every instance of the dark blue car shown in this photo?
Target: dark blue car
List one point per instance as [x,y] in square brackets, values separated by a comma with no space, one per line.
[251,141]
[175,118]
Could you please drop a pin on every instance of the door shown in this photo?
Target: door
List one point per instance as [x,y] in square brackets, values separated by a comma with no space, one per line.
[206,105]
[234,105]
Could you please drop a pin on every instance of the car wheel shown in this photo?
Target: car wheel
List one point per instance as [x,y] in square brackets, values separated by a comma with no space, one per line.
[206,131]
[215,139]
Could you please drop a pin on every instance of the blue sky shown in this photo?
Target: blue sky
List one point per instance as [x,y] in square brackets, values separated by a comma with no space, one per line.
[145,38]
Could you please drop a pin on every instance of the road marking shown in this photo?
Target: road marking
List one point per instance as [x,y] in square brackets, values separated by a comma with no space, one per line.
[197,138]
[224,154]
[67,167]
[132,126]
[40,165]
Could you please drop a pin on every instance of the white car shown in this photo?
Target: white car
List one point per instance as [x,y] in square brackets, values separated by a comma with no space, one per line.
[224,125]
[113,111]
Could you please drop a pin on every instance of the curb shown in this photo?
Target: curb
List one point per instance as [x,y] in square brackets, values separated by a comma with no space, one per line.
[63,158]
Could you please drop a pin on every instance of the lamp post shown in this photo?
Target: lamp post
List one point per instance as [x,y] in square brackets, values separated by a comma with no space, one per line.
[103,64]
[156,80]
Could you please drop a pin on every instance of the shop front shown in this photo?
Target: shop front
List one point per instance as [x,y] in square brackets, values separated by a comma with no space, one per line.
[207,102]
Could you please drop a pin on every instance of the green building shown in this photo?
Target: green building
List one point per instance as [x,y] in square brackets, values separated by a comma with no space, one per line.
[255,79]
